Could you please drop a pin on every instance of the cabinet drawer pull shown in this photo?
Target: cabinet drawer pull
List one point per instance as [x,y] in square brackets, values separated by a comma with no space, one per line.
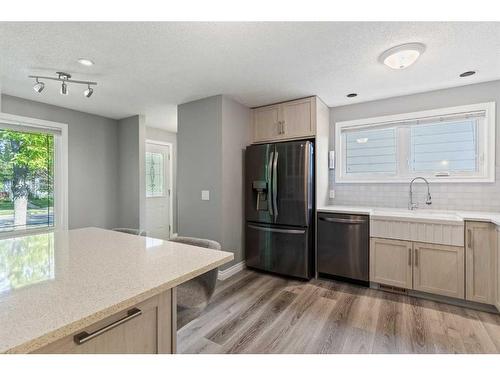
[416,257]
[409,256]
[84,336]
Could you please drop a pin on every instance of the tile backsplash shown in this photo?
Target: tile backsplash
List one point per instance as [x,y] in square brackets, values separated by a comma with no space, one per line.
[445,196]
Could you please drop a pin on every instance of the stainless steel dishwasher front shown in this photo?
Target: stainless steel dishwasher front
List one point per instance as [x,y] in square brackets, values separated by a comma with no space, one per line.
[343,247]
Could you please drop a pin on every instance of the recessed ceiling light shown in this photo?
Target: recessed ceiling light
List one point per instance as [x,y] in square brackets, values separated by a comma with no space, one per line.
[352,95]
[402,56]
[468,73]
[86,62]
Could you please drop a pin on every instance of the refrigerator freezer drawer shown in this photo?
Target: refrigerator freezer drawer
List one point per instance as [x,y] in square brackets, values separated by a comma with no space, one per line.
[282,250]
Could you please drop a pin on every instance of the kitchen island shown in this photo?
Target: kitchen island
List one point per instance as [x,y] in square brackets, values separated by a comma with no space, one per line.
[92,290]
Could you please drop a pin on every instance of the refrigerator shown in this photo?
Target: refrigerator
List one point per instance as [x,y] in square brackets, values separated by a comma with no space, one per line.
[279,203]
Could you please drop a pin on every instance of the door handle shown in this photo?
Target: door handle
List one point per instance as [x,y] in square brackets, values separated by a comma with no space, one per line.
[283,127]
[269,187]
[416,257]
[409,256]
[342,221]
[275,184]
[277,230]
[84,336]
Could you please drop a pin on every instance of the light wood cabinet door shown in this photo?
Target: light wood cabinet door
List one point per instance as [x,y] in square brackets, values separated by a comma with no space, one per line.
[151,331]
[438,269]
[266,123]
[480,267]
[298,118]
[390,262]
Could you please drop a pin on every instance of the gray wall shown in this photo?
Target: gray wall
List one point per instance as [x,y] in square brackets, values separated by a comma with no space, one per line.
[199,168]
[212,134]
[161,135]
[130,194]
[463,196]
[235,138]
[92,164]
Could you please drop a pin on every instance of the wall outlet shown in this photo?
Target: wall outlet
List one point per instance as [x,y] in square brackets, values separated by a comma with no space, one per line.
[332,194]
[205,195]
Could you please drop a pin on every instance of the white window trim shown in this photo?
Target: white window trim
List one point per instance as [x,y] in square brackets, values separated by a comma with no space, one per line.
[488,142]
[170,182]
[61,171]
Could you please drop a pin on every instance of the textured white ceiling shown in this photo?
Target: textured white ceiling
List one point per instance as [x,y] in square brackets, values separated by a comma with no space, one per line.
[149,68]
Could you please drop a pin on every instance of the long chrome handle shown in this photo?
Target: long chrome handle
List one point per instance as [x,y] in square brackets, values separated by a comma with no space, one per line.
[277,230]
[469,238]
[84,336]
[342,221]
[275,184]
[270,183]
[409,256]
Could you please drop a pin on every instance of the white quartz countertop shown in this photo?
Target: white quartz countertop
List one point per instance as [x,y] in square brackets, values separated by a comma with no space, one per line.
[54,284]
[418,214]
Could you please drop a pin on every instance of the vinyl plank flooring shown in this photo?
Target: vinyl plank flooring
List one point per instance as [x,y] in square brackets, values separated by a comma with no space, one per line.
[255,312]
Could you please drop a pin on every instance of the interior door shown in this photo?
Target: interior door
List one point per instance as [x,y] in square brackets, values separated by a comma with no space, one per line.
[292,183]
[158,190]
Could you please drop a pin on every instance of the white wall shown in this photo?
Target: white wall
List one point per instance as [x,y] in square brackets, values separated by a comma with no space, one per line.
[161,135]
[212,134]
[92,160]
[457,196]
[235,138]
[131,193]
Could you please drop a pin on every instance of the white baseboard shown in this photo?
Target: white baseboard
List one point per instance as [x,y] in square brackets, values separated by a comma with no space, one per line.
[231,271]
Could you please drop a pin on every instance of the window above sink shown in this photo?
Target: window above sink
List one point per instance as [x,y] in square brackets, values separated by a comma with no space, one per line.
[454,144]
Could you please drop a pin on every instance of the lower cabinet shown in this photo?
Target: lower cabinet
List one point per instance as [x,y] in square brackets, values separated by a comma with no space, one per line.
[391,262]
[147,328]
[480,267]
[438,269]
[431,268]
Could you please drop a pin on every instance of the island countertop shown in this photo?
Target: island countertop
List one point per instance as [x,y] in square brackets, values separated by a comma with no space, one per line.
[54,284]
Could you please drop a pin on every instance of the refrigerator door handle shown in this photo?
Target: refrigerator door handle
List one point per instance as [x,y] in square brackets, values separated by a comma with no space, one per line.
[275,184]
[277,230]
[270,183]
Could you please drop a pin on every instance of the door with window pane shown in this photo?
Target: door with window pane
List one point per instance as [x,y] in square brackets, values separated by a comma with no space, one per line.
[157,164]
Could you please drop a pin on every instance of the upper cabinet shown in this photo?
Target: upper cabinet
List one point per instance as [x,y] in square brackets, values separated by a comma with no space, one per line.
[289,120]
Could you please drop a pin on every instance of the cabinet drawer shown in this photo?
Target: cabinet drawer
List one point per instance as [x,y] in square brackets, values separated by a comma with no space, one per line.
[147,328]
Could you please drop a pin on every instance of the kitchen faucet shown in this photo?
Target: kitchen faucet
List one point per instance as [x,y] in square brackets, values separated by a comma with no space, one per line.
[428,201]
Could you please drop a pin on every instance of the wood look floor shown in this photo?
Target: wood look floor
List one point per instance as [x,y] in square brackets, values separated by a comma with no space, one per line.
[259,313]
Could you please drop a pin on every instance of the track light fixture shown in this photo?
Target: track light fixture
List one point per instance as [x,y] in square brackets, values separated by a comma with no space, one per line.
[88,93]
[65,78]
[39,86]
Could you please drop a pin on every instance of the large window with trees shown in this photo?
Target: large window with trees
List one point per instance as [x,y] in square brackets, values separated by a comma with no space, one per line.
[31,177]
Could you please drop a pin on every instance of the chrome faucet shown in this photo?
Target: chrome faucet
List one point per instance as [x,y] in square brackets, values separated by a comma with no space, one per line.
[428,201]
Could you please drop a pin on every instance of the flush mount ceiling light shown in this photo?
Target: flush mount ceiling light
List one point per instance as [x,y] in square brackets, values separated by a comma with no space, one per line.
[85,62]
[65,78]
[402,56]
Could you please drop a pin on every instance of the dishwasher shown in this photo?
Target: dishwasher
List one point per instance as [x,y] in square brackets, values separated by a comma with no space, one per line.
[343,247]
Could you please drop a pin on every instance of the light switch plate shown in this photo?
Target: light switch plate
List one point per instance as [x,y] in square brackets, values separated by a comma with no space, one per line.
[205,195]
[331,159]
[332,194]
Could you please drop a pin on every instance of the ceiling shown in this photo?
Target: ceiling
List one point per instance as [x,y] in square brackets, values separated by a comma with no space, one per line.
[149,68]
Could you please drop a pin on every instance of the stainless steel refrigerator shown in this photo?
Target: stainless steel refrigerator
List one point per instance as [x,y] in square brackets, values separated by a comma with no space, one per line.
[279,202]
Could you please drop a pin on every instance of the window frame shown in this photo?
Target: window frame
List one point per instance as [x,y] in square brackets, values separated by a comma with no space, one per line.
[486,143]
[20,123]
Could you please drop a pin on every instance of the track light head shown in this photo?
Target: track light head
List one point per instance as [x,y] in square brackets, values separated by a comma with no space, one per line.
[39,86]
[64,89]
[88,93]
